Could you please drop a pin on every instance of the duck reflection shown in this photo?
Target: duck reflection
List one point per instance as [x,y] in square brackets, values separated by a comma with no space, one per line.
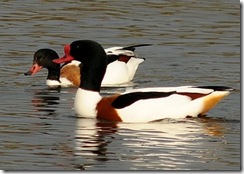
[212,126]
[97,142]
[46,100]
[92,140]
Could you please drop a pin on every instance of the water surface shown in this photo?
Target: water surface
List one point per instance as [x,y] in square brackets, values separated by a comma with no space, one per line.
[194,43]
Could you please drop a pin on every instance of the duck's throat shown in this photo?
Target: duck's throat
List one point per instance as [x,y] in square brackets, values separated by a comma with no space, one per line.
[91,78]
[53,74]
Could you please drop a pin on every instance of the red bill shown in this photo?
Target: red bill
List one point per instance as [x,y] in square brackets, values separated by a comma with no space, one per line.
[66,58]
[33,70]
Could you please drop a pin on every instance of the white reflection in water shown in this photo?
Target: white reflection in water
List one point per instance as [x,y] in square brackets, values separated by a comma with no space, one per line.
[168,144]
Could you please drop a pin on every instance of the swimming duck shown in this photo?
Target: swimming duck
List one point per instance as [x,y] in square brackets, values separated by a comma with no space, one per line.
[122,65]
[138,105]
[121,69]
[66,75]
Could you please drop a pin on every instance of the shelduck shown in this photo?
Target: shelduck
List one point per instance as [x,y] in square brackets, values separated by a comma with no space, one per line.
[121,69]
[138,105]
[67,75]
[122,65]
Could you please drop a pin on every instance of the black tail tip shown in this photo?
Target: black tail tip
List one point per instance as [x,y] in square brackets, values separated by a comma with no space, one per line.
[133,47]
[218,88]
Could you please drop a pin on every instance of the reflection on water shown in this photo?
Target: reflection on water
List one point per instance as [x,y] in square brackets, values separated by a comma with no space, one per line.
[163,145]
[46,100]
[91,142]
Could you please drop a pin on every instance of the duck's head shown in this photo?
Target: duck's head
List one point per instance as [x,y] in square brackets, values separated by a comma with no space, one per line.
[93,58]
[85,51]
[43,59]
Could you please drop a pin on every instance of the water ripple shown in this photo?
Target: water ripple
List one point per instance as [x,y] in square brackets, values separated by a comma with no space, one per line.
[194,43]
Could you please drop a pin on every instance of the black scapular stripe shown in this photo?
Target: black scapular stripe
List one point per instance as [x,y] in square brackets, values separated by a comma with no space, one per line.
[128,99]
[112,58]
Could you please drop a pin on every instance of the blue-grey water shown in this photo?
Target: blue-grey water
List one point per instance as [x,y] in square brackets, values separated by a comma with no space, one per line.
[194,43]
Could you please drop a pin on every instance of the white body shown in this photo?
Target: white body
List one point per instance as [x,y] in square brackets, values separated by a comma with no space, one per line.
[86,102]
[173,106]
[117,72]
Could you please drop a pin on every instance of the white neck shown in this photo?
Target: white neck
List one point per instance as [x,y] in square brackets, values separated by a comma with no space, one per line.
[86,102]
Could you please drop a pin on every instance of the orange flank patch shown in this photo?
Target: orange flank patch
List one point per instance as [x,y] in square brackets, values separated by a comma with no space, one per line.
[72,73]
[192,95]
[105,110]
[211,100]
[124,58]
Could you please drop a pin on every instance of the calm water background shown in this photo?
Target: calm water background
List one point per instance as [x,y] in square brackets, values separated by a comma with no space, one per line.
[194,43]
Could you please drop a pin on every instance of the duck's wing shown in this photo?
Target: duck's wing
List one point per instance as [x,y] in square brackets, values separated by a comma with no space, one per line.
[123,53]
[192,92]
